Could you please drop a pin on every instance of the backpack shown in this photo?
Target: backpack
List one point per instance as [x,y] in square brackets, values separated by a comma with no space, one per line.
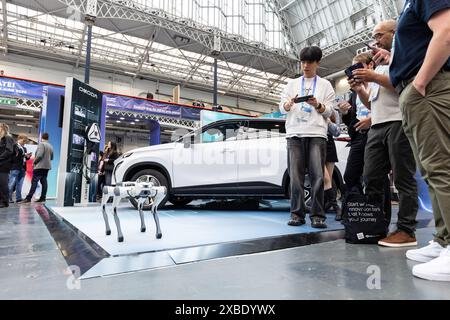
[364,223]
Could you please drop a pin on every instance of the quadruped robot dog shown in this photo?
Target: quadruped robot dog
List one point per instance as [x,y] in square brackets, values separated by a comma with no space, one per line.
[139,191]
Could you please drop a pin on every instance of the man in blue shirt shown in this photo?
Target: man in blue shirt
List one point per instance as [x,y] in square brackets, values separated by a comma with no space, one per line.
[420,72]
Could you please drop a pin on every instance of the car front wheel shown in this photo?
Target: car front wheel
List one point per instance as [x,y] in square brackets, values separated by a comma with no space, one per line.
[155,177]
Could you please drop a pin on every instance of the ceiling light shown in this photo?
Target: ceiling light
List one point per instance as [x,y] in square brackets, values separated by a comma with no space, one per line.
[122,118]
[24,125]
[133,123]
[137,120]
[117,121]
[107,116]
[24,115]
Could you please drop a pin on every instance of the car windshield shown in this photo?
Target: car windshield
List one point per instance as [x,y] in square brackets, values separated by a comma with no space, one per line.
[214,133]
[229,131]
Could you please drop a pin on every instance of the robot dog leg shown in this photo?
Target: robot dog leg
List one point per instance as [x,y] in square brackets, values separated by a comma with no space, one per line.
[141,202]
[160,193]
[108,192]
[116,201]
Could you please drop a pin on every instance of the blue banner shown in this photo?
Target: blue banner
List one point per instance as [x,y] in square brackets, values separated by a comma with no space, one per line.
[190,113]
[34,90]
[151,107]
[21,88]
[138,105]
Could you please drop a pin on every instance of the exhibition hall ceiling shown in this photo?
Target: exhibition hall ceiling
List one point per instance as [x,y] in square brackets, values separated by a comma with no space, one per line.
[256,43]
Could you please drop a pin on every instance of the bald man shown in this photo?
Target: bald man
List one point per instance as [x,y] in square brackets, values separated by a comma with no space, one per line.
[387,145]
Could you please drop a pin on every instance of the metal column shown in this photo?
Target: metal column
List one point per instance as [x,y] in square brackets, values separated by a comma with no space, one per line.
[87,68]
[215,84]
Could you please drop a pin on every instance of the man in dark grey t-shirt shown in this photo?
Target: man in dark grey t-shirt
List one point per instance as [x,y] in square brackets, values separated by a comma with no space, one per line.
[42,165]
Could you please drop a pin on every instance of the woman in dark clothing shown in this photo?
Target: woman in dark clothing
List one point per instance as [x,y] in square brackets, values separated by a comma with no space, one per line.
[111,155]
[6,159]
[355,115]
[101,173]
[330,201]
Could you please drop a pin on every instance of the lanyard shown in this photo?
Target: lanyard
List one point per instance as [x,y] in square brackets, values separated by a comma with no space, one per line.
[314,86]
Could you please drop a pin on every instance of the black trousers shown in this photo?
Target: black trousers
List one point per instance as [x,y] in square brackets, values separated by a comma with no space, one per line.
[39,175]
[108,178]
[4,193]
[306,153]
[353,176]
[100,184]
[388,148]
[355,162]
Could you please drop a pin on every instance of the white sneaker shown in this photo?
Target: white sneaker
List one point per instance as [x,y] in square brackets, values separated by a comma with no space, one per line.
[436,270]
[425,254]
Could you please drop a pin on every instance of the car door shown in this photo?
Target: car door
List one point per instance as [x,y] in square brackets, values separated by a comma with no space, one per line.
[262,158]
[207,165]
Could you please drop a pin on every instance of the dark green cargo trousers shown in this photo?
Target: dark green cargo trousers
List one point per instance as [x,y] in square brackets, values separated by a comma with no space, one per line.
[426,121]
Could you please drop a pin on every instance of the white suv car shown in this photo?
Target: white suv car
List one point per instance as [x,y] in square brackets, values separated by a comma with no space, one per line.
[233,158]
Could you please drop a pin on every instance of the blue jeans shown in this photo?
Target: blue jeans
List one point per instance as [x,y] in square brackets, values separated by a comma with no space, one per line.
[16,178]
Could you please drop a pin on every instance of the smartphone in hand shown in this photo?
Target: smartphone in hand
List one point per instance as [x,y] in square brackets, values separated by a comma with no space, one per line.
[349,70]
[303,99]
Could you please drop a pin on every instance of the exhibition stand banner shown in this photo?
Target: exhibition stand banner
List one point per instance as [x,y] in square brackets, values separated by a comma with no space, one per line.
[79,157]
[151,107]
[21,88]
[36,91]
[191,113]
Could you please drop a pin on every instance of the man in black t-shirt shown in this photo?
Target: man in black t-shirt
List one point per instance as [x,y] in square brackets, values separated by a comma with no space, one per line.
[420,72]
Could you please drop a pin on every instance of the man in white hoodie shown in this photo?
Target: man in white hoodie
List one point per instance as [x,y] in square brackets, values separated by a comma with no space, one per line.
[306,132]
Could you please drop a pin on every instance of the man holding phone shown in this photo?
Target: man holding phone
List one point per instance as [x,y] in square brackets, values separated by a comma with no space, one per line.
[387,145]
[306,132]
[19,168]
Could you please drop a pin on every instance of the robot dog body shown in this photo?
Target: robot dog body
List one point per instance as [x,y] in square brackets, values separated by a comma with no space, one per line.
[139,191]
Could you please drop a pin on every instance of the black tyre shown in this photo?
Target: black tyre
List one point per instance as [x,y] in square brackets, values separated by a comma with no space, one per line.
[154,176]
[179,201]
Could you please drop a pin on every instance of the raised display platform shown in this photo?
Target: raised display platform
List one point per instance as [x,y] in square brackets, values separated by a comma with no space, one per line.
[190,234]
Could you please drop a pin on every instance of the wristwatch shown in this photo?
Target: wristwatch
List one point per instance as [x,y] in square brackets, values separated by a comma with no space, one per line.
[319,106]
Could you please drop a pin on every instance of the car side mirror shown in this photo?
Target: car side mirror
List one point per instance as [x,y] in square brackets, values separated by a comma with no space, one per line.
[188,141]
